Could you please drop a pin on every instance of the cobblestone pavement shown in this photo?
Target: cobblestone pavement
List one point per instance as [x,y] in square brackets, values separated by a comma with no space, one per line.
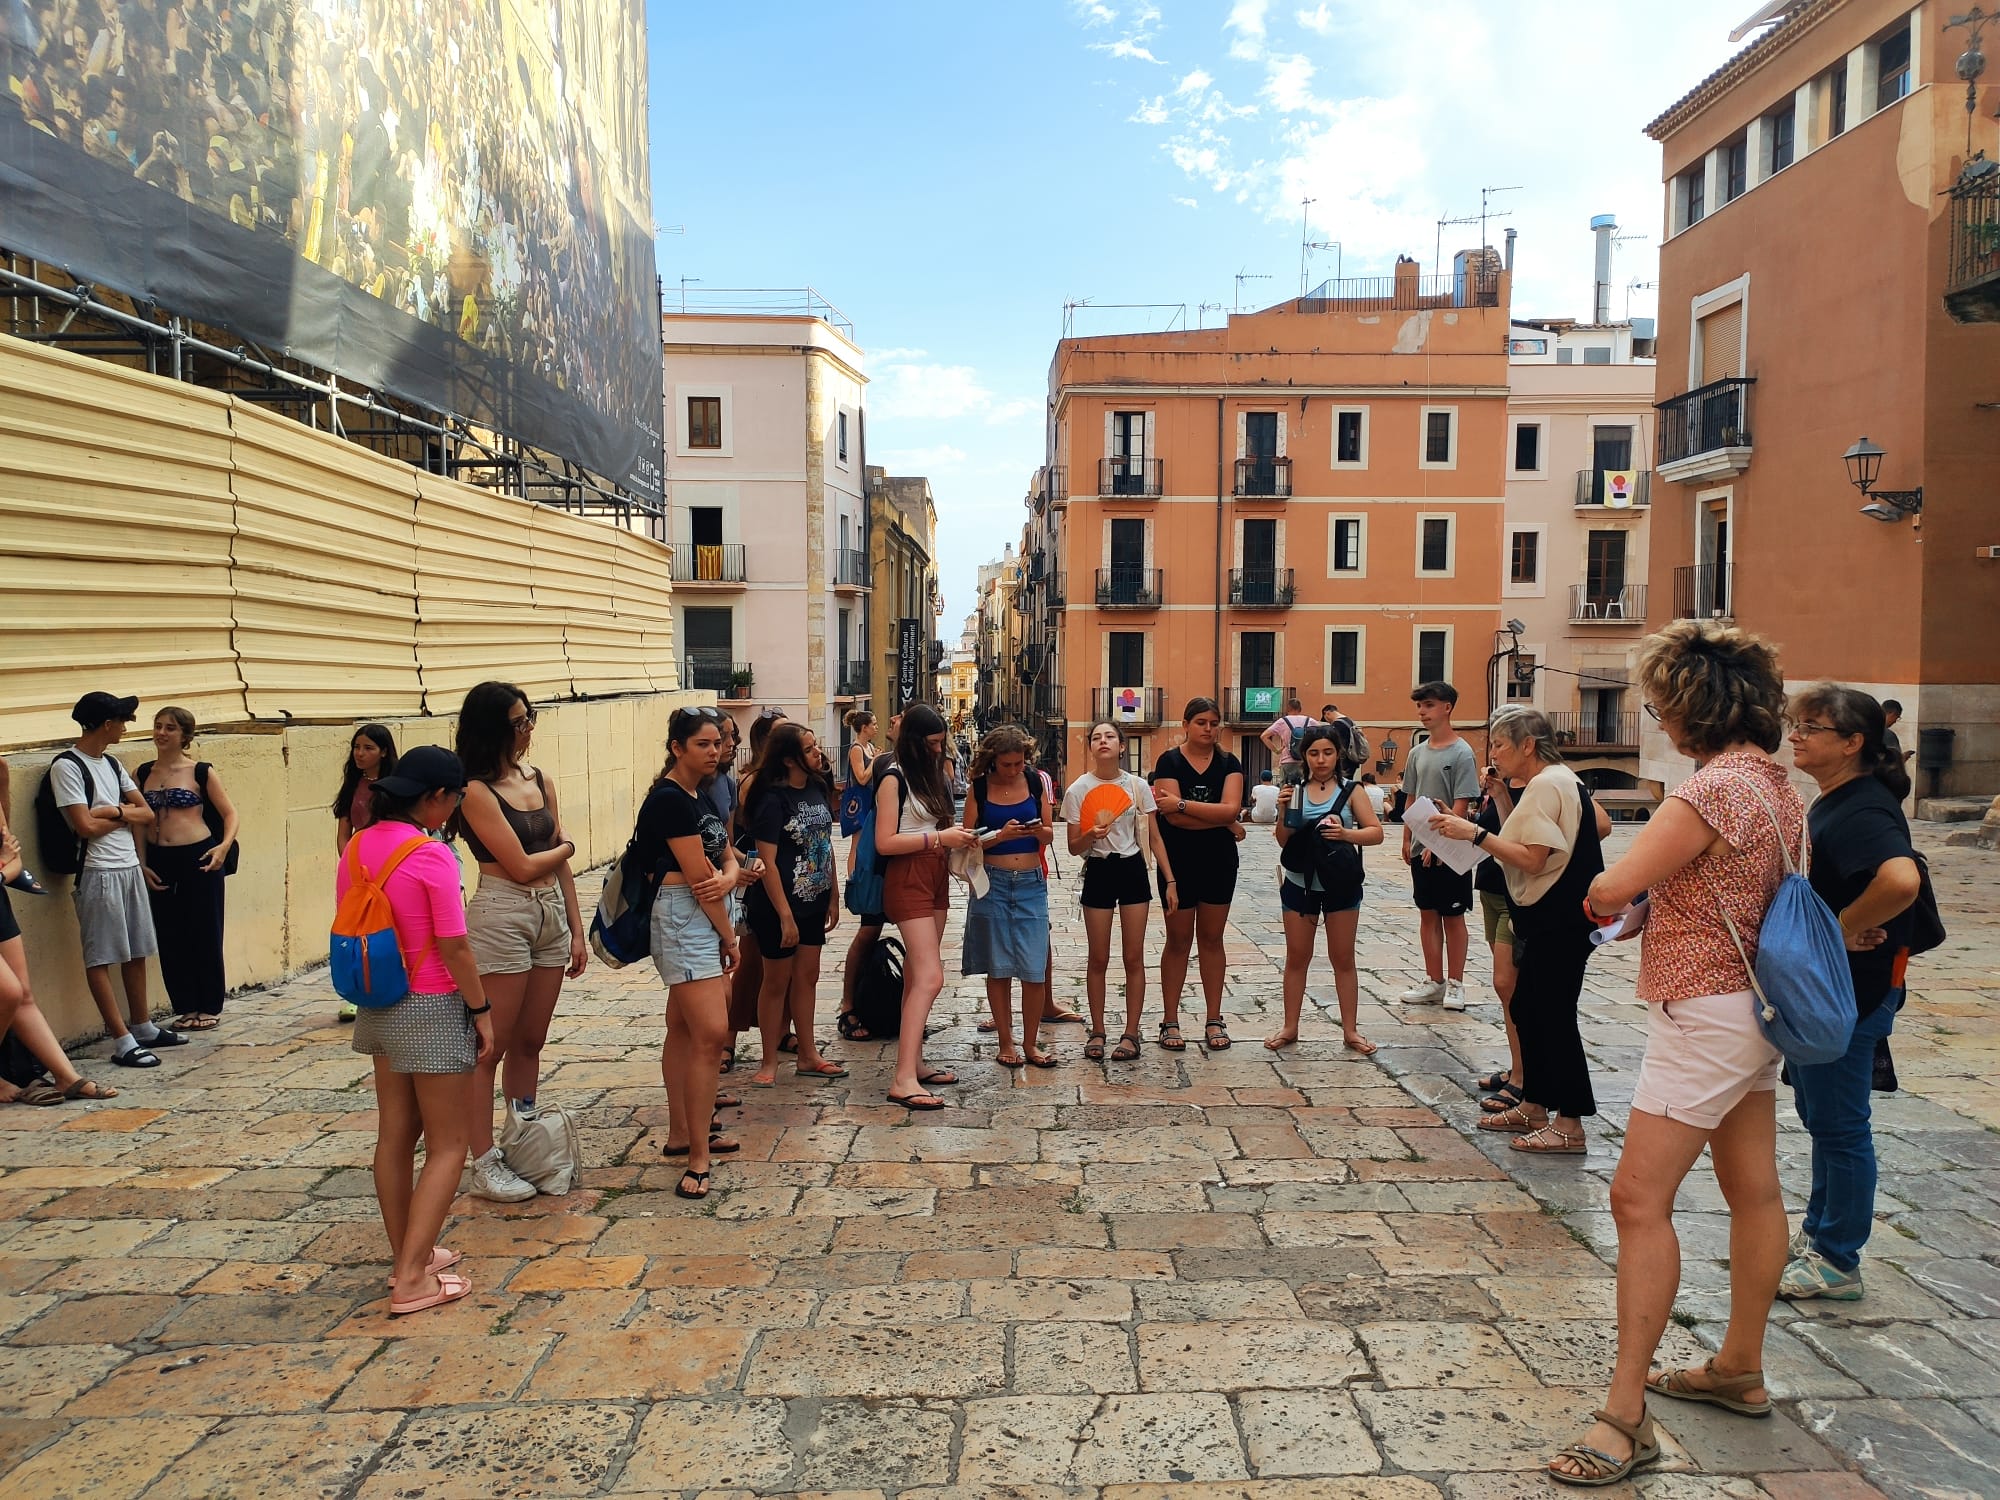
[1204,1276]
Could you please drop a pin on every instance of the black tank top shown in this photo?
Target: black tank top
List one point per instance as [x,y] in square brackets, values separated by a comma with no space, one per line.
[534,827]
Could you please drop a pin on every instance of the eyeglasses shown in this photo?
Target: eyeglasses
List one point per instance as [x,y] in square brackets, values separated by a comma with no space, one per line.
[1805,729]
[526,721]
[1652,713]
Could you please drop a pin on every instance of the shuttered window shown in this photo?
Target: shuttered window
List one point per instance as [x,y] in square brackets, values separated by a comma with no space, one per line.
[1722,344]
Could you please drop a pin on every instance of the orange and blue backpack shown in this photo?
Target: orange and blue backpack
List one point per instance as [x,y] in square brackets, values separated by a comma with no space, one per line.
[369,969]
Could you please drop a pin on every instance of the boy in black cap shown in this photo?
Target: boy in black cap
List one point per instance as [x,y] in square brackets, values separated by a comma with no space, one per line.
[112,911]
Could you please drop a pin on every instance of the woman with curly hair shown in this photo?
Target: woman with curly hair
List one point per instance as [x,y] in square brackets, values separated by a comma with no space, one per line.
[1711,856]
[1007,929]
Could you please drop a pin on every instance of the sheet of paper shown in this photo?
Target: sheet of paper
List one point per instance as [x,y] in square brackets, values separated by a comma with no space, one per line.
[1631,922]
[1455,854]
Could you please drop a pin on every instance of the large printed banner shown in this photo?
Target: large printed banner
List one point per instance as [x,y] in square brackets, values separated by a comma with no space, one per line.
[446,199]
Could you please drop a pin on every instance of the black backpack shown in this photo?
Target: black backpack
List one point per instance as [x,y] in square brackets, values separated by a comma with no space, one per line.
[878,989]
[62,845]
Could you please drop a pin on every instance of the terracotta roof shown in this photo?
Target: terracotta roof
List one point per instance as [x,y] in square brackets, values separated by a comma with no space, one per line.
[1783,34]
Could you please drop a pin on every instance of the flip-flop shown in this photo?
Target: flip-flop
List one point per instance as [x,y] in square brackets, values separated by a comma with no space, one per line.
[718,1145]
[450,1289]
[988,1026]
[728,1101]
[1063,1018]
[827,1069]
[916,1101]
[201,1021]
[1038,1059]
[941,1077]
[441,1260]
[84,1088]
[1012,1062]
[700,1178]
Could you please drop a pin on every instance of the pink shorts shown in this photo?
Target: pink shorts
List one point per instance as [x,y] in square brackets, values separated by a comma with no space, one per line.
[1702,1056]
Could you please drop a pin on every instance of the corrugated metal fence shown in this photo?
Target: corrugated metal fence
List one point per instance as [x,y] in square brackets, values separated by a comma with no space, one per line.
[169,541]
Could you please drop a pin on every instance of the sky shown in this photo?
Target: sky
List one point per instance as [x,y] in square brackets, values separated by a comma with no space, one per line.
[950,174]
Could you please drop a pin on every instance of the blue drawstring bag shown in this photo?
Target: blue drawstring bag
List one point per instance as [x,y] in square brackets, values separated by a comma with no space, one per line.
[1801,980]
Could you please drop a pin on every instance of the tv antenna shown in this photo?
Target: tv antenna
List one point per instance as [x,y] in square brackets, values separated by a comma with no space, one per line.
[1202,311]
[1437,254]
[1636,285]
[1178,309]
[1305,238]
[1485,198]
[686,282]
[1243,276]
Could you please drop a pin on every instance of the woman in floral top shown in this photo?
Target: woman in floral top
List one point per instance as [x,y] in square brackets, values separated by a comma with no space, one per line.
[1710,1076]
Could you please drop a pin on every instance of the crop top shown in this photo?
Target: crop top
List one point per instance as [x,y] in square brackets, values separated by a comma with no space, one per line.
[998,814]
[534,827]
[172,797]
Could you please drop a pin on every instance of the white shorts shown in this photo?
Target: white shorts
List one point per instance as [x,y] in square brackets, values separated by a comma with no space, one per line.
[1702,1056]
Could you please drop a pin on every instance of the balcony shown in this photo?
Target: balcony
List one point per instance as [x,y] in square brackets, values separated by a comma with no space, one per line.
[714,672]
[1130,588]
[850,570]
[1263,479]
[852,680]
[710,564]
[1051,707]
[1254,706]
[1055,591]
[1594,491]
[1703,591]
[1972,283]
[1137,478]
[1260,588]
[1406,291]
[1599,732]
[1028,664]
[1132,707]
[1602,606]
[1705,434]
[1051,491]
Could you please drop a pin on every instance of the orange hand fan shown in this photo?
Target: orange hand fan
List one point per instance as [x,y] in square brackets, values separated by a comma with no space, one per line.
[1104,805]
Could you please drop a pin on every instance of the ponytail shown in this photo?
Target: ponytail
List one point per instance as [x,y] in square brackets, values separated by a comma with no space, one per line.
[1851,712]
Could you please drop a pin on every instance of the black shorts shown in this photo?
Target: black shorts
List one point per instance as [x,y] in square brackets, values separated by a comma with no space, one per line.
[9,928]
[1115,880]
[1437,887]
[1204,877]
[762,920]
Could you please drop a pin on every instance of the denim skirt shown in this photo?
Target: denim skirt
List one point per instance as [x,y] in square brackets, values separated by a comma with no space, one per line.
[1007,929]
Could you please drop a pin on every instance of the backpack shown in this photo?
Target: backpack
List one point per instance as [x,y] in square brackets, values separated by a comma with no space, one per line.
[863,895]
[369,969]
[1926,923]
[1804,988]
[878,989]
[1338,863]
[621,929]
[62,846]
[211,816]
[543,1148]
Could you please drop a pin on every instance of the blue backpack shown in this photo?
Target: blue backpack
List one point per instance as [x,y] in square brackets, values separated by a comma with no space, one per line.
[1803,985]
[863,895]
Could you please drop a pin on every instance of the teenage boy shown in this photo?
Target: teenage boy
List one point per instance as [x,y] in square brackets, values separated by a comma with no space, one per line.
[112,910]
[1443,769]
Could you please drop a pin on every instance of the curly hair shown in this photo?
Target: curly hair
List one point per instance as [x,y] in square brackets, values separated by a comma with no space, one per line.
[1008,739]
[1717,684]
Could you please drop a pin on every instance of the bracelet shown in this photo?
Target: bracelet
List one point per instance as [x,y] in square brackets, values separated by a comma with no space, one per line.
[481,1011]
[927,841]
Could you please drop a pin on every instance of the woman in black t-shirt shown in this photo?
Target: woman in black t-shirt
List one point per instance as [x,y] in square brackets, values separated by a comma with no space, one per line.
[1198,791]
[680,838]
[1865,869]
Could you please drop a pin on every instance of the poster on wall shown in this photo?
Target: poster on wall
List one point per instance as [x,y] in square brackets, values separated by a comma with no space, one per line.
[1261,700]
[909,659]
[1618,485]
[446,202]
[1125,704]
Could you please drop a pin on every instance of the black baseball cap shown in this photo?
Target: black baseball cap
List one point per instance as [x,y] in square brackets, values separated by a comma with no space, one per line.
[427,768]
[93,709]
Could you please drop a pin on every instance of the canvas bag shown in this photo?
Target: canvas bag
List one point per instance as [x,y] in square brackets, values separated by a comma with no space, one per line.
[544,1149]
[1803,986]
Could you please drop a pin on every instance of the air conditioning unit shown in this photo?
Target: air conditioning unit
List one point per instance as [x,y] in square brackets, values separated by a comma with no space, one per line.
[1990,552]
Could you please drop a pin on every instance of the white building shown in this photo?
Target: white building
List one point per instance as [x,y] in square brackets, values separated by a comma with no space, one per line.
[767,504]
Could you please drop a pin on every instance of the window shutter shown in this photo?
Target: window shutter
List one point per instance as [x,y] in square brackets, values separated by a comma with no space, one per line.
[1722,344]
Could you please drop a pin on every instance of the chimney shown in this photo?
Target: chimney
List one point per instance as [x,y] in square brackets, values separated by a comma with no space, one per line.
[1603,226]
[1511,234]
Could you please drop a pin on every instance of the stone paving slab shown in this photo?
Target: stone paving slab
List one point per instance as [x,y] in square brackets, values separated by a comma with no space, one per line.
[1237,1275]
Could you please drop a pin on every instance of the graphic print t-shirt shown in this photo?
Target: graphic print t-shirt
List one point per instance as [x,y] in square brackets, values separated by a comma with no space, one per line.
[670,812]
[799,821]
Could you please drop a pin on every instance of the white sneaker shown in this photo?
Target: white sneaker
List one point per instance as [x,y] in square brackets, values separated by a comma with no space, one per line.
[1454,995]
[1424,994]
[493,1178]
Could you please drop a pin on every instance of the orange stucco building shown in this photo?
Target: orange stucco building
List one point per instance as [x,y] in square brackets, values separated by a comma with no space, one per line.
[1306,500]
[1804,276]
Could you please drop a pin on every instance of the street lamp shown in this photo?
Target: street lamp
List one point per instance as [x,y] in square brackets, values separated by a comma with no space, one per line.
[1864,465]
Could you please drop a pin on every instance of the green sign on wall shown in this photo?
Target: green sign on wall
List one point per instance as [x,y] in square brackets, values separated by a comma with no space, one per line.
[1261,700]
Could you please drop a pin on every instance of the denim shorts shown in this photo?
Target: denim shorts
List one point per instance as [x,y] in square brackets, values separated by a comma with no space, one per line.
[686,946]
[1007,929]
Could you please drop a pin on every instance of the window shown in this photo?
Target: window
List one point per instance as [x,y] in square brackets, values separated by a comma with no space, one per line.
[1565,356]
[1604,573]
[1524,564]
[1346,555]
[1125,658]
[1694,194]
[1779,140]
[843,437]
[1528,448]
[1611,448]
[1736,169]
[705,525]
[1521,681]
[1343,658]
[1433,656]
[1260,436]
[1133,757]
[704,421]
[1597,355]
[1350,437]
[1892,66]
[1257,659]
[1434,549]
[1440,437]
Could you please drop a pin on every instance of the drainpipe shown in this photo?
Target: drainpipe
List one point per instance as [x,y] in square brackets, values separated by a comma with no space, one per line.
[1219,574]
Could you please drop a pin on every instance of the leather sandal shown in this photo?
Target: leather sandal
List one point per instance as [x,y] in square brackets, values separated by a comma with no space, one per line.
[1514,1120]
[1725,1391]
[1127,1048]
[1093,1047]
[1501,1099]
[1170,1037]
[1215,1037]
[1600,1468]
[1549,1141]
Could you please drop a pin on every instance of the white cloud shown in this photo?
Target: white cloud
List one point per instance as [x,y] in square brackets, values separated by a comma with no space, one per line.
[1187,203]
[905,385]
[1319,19]
[1195,83]
[1093,13]
[1288,85]
[1246,19]
[1151,112]
[1129,47]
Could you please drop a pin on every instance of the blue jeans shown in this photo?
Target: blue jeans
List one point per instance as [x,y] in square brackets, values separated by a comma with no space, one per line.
[1833,1101]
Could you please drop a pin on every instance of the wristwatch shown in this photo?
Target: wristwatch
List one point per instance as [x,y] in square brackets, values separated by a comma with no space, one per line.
[1480,837]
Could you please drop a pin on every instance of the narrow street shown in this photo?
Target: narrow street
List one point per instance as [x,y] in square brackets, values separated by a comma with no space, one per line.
[1198,1276]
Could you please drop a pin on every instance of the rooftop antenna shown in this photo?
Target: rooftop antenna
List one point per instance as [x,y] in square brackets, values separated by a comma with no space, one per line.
[1178,309]
[1437,254]
[1305,238]
[1485,198]
[1637,286]
[686,282]
[1203,310]
[1334,246]
[1243,276]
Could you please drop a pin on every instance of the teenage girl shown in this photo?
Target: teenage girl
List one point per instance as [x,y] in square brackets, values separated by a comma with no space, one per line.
[1198,788]
[868,925]
[1114,879]
[1007,929]
[862,753]
[914,831]
[1323,748]
[371,755]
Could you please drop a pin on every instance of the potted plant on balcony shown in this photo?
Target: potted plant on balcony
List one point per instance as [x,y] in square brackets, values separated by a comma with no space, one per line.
[739,683]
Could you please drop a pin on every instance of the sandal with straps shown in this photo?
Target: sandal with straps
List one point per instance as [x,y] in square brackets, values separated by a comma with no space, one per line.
[1600,1468]
[1093,1047]
[1725,1391]
[1514,1120]
[1215,1037]
[1127,1048]
[1502,1099]
[1549,1141]
[1170,1037]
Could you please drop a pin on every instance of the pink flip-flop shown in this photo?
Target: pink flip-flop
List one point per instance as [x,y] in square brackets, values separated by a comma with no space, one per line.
[441,1260]
[450,1289]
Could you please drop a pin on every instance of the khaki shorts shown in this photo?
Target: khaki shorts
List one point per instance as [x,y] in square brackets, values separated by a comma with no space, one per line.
[1702,1056]
[1497,919]
[514,928]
